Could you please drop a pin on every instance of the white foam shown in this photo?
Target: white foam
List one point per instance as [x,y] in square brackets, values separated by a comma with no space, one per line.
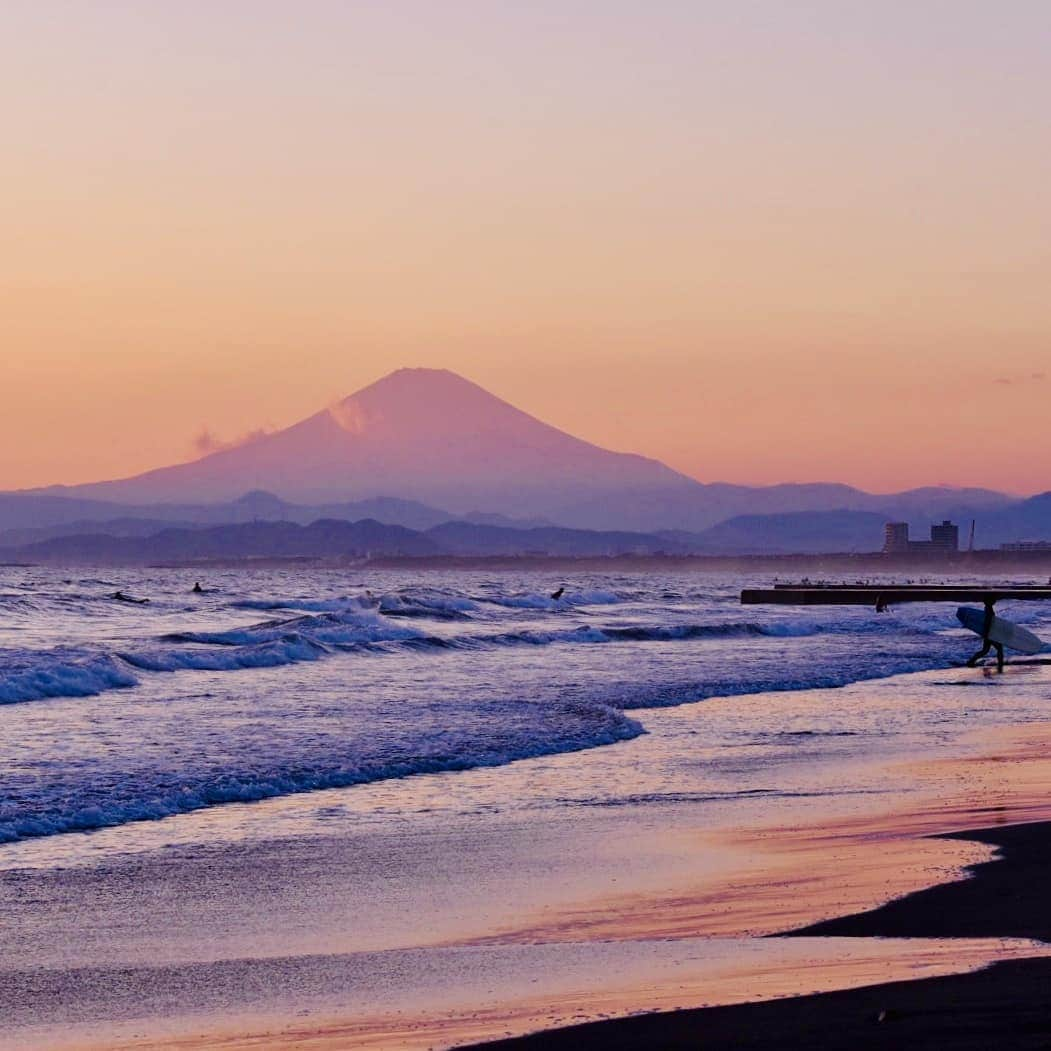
[31,675]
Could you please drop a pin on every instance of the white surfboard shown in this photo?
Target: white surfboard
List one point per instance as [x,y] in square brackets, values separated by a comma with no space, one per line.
[1000,630]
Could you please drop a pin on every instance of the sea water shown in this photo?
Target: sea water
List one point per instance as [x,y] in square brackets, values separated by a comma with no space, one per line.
[276,683]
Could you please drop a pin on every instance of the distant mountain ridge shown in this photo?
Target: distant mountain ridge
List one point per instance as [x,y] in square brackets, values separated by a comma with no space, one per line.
[335,539]
[137,541]
[422,446]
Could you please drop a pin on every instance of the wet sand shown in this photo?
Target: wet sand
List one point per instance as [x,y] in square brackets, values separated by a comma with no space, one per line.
[1007,1005]
[565,969]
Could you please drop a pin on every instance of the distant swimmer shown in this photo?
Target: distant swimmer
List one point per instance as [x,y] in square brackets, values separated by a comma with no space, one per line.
[197,589]
[121,597]
[556,595]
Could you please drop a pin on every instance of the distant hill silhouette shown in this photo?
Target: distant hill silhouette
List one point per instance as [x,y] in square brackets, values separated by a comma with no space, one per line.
[326,538]
[798,532]
[334,539]
[137,541]
[27,517]
[468,538]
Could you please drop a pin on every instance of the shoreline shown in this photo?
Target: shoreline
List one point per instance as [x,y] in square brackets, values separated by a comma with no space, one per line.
[647,974]
[445,909]
[1004,1005]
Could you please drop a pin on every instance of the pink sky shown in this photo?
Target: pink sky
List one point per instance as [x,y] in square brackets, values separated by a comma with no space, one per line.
[760,241]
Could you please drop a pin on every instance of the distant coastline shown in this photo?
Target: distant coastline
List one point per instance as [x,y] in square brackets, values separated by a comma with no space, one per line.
[851,564]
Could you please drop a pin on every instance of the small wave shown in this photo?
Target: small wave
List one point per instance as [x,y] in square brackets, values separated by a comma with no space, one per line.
[12,602]
[346,603]
[344,628]
[546,638]
[635,633]
[573,728]
[408,603]
[430,604]
[593,597]
[673,632]
[290,650]
[33,675]
[663,798]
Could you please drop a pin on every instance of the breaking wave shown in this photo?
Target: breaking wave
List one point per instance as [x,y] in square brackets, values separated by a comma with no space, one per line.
[290,650]
[32,675]
[594,597]
[541,732]
[345,628]
[461,680]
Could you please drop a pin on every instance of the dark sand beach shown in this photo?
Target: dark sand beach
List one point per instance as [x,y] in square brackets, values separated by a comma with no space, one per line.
[1007,1005]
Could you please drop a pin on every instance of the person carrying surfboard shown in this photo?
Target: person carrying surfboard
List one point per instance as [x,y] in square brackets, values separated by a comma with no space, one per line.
[996,633]
[987,645]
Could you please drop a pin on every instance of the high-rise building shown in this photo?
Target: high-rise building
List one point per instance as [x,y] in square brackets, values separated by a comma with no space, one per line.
[895,538]
[945,537]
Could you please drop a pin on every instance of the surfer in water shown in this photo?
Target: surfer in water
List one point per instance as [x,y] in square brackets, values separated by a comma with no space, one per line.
[197,589]
[556,595]
[121,597]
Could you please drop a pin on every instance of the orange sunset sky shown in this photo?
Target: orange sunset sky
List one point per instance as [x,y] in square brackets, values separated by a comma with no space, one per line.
[761,241]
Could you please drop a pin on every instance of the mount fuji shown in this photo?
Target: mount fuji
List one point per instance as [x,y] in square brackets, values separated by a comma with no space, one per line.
[431,436]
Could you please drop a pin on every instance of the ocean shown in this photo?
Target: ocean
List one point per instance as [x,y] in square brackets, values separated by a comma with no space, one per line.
[280,682]
[300,764]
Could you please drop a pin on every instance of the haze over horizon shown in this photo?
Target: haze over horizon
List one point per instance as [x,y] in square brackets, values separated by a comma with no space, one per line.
[759,243]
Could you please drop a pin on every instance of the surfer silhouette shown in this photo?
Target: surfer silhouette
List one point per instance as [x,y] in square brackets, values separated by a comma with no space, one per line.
[556,595]
[197,589]
[121,597]
[988,643]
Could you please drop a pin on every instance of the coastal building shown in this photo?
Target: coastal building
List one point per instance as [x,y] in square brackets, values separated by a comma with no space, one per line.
[1027,545]
[945,539]
[895,538]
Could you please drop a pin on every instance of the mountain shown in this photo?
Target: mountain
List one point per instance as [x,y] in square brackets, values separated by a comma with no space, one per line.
[26,517]
[828,531]
[423,434]
[112,527]
[1025,520]
[798,532]
[334,539]
[326,538]
[706,505]
[472,539]
[137,541]
[421,446]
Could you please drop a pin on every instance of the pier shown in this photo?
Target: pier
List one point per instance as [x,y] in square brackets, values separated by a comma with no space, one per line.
[880,596]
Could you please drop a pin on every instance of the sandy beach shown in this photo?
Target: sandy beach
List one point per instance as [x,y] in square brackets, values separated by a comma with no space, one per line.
[1005,1005]
[523,923]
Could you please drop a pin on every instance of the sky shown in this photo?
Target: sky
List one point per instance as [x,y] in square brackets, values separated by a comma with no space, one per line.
[760,241]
